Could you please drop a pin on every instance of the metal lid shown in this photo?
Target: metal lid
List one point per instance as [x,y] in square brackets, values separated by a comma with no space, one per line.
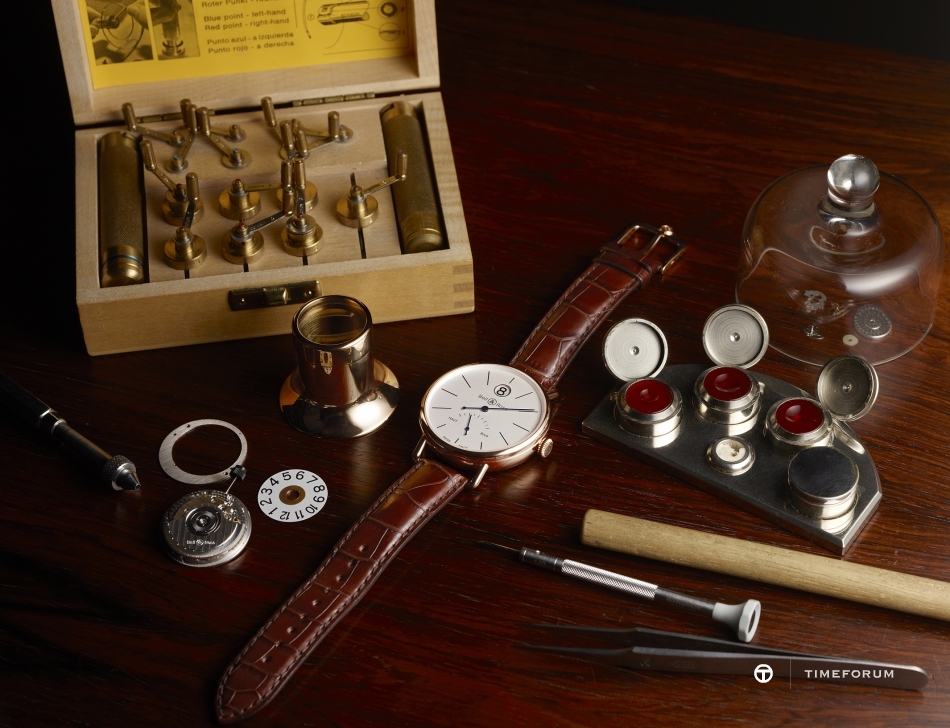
[847,386]
[823,482]
[735,335]
[635,349]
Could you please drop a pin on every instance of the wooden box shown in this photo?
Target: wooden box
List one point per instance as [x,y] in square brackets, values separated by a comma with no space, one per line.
[170,309]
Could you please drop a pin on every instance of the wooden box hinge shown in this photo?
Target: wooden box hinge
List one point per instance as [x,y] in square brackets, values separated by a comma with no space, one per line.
[333,99]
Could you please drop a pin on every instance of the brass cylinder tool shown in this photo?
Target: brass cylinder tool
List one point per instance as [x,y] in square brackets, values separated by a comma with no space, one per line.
[121,211]
[175,138]
[417,208]
[231,157]
[175,204]
[179,162]
[186,251]
[244,244]
[301,236]
[359,208]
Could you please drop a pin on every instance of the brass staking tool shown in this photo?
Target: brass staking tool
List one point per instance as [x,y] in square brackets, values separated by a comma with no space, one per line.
[292,143]
[289,153]
[301,236]
[232,157]
[359,208]
[242,202]
[175,204]
[185,250]
[244,244]
[178,161]
[190,130]
[175,139]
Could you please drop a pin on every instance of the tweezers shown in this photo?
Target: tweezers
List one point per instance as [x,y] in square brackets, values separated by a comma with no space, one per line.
[650,649]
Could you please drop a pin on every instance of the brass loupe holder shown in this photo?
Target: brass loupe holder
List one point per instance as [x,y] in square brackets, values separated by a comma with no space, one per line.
[339,389]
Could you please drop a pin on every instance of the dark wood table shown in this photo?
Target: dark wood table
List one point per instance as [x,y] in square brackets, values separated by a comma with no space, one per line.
[568,123]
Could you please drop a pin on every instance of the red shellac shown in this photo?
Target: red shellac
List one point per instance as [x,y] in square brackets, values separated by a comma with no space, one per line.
[727,384]
[648,396]
[799,416]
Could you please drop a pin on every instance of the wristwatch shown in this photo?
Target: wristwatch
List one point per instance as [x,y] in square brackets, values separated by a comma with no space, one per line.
[476,418]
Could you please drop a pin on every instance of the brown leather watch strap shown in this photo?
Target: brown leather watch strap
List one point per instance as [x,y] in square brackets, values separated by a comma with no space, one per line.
[621,267]
[259,672]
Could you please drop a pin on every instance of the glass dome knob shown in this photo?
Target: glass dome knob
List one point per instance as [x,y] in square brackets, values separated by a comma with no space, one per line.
[852,182]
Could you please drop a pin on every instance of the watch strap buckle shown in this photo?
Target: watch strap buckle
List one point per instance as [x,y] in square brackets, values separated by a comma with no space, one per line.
[628,257]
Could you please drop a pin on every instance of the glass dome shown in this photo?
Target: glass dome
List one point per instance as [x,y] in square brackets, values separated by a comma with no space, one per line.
[841,260]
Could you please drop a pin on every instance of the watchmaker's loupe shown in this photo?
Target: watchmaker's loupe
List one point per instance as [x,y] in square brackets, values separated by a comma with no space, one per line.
[841,260]
[338,389]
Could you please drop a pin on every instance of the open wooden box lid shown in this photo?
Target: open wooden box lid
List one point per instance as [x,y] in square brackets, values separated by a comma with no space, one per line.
[313,23]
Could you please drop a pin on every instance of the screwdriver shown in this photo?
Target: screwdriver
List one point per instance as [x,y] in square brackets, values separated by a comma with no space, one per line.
[742,618]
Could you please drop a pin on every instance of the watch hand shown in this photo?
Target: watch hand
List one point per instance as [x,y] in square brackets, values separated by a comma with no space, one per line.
[468,424]
[486,408]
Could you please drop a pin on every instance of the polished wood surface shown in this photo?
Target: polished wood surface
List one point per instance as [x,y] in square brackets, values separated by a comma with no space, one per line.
[568,123]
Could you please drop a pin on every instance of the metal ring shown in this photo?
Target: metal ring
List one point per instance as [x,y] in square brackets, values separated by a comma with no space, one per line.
[168,463]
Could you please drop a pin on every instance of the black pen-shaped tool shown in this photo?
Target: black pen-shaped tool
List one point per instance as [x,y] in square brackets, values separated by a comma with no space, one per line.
[117,471]
[742,618]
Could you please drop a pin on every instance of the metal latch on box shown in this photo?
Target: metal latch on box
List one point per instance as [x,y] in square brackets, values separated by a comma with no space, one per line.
[245,299]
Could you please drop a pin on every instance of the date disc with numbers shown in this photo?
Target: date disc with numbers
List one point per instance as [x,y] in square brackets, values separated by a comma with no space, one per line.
[292,495]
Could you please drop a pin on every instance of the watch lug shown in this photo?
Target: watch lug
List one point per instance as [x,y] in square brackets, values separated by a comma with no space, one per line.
[476,479]
[419,449]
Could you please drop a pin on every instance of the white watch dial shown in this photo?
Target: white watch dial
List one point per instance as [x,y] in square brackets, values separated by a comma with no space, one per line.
[484,408]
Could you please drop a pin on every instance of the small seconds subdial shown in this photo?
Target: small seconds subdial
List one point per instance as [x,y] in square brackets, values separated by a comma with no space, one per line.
[484,408]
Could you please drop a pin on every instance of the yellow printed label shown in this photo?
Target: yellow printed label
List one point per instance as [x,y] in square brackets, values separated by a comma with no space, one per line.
[137,41]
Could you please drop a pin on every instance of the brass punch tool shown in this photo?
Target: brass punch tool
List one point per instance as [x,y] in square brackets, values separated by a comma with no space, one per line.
[650,649]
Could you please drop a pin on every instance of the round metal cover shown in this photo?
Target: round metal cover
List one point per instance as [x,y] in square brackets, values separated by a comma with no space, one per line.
[635,349]
[735,335]
[870,321]
[847,386]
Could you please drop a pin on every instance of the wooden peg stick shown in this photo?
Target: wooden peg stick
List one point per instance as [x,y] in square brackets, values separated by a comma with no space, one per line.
[769,564]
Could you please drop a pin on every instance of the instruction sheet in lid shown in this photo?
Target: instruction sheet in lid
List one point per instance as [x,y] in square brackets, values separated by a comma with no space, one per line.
[138,42]
[231,52]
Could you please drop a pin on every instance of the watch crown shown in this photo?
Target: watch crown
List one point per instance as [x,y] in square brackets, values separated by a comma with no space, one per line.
[545,447]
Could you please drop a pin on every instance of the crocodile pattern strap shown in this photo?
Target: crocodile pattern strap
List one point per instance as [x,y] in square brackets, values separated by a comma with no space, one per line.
[620,268]
[259,672]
